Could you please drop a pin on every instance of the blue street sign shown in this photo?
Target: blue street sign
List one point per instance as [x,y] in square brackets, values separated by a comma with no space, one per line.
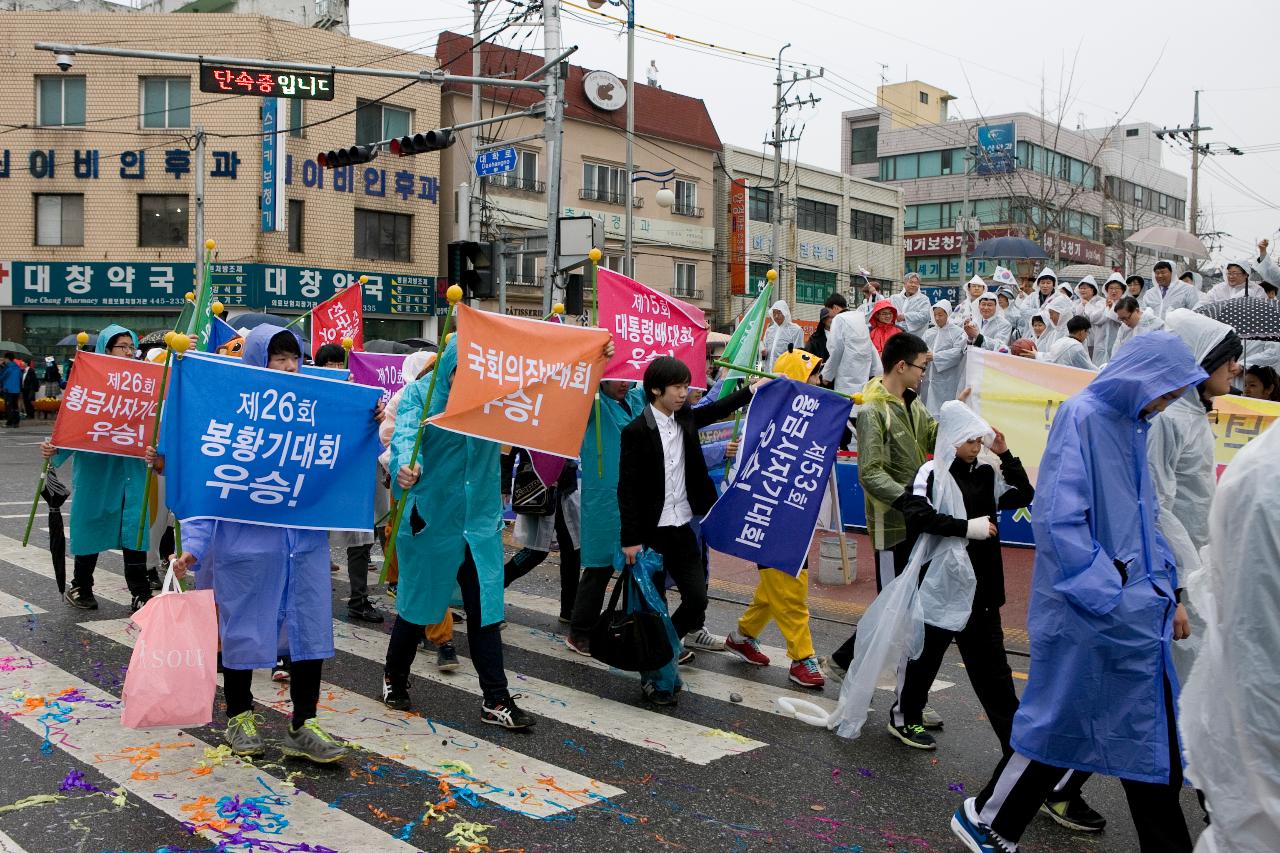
[495,161]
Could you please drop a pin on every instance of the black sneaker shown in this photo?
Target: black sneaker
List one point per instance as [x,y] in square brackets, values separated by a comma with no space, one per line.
[153,579]
[81,598]
[395,692]
[913,736]
[364,611]
[656,696]
[137,603]
[280,672]
[1074,814]
[505,713]
[685,658]
[447,658]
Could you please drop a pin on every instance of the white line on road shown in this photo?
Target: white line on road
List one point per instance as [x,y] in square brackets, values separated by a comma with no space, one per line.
[8,845]
[11,606]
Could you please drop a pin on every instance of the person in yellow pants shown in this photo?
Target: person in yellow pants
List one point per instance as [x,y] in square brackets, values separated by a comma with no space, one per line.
[785,600]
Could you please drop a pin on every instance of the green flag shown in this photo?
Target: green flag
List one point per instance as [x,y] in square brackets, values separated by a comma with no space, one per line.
[743,348]
[202,316]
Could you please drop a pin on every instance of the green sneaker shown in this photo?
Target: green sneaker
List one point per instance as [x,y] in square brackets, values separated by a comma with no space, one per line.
[312,743]
[242,734]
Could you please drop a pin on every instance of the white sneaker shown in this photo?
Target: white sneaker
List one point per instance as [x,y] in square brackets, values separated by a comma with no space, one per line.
[831,670]
[931,718]
[705,640]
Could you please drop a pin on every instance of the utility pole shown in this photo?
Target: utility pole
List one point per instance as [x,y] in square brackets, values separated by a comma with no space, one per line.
[1195,166]
[552,129]
[964,212]
[780,106]
[475,198]
[628,262]
[199,212]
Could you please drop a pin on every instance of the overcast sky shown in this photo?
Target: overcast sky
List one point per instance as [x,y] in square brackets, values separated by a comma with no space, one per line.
[995,61]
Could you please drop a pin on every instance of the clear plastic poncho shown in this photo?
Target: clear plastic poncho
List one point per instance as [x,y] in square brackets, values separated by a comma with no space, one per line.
[892,629]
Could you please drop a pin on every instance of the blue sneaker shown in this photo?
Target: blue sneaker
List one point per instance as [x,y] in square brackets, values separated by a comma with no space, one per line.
[977,836]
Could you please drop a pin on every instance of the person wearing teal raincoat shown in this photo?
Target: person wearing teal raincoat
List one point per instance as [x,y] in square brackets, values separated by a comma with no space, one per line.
[109,492]
[450,533]
[620,404]
[1102,687]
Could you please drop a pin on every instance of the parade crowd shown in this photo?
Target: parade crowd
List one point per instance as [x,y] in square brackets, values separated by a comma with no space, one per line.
[1152,616]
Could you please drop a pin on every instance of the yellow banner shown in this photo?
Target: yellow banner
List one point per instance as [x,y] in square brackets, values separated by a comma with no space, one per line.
[1020,396]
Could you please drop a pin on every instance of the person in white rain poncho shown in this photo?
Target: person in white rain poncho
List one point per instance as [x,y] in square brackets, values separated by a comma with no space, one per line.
[1134,320]
[1235,281]
[1069,350]
[781,333]
[989,330]
[1180,455]
[1168,295]
[915,621]
[1055,315]
[1092,306]
[947,342]
[913,306]
[968,307]
[852,358]
[1107,329]
[1230,709]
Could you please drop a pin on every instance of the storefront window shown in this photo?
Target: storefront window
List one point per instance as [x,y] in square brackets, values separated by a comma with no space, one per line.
[42,330]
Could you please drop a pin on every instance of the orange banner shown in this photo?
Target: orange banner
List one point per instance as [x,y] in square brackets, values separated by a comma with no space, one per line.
[109,406]
[524,382]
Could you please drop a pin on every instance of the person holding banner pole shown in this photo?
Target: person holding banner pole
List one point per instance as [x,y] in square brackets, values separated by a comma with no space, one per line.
[109,492]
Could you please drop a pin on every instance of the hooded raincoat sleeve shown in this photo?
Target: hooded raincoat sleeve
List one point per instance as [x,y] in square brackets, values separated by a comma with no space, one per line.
[945,373]
[455,505]
[913,312]
[853,359]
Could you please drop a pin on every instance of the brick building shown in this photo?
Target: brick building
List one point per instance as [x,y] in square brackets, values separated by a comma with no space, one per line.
[97,179]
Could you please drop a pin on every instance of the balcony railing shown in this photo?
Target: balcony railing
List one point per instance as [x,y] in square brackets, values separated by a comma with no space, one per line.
[686,293]
[516,182]
[687,210]
[593,194]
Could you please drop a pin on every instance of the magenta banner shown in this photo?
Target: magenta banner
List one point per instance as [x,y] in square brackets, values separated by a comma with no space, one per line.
[378,370]
[647,323]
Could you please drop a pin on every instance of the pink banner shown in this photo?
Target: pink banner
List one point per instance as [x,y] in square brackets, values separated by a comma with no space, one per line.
[378,370]
[646,324]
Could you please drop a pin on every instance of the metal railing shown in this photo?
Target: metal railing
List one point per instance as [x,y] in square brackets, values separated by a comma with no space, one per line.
[687,210]
[594,194]
[516,182]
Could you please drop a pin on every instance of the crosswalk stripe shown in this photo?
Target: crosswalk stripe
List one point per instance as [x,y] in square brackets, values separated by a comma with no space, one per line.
[83,721]
[633,725]
[11,606]
[637,726]
[8,845]
[503,776]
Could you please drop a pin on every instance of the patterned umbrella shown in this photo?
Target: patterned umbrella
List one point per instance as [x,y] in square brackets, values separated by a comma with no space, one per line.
[1253,319]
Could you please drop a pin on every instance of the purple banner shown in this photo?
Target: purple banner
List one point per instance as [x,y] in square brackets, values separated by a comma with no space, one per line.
[378,370]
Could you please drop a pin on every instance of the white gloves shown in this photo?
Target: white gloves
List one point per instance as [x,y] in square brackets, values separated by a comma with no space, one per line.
[979,528]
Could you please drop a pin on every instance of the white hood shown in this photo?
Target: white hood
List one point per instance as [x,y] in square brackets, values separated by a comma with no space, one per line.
[1046,272]
[1200,333]
[781,305]
[1063,306]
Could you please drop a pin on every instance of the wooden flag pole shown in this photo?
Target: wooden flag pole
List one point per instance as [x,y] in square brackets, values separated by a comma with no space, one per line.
[454,295]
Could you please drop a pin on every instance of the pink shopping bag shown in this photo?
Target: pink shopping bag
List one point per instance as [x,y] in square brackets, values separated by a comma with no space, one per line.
[173,670]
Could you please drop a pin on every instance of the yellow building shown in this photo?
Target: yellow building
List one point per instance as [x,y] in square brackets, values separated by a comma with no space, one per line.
[97,178]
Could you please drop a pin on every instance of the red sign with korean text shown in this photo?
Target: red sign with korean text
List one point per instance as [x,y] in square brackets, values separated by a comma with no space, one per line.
[738,237]
[109,405]
[1074,249]
[646,324]
[945,242]
[340,316]
[523,382]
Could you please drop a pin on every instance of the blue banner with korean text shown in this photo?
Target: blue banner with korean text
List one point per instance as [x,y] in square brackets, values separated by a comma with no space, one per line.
[272,448]
[769,512]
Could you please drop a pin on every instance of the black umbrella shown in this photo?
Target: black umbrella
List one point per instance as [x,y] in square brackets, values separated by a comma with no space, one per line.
[1010,248]
[245,322]
[1253,319]
[55,494]
[379,345]
[70,340]
[419,344]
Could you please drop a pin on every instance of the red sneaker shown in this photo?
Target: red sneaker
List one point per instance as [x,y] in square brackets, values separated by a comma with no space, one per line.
[806,673]
[746,648]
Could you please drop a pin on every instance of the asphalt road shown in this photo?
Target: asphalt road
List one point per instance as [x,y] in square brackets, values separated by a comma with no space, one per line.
[600,771]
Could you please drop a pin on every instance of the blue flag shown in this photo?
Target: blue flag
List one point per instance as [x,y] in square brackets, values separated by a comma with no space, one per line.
[788,449]
[221,333]
[339,373]
[273,448]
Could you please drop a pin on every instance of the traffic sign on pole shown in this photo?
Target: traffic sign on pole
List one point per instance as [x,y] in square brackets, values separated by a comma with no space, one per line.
[496,161]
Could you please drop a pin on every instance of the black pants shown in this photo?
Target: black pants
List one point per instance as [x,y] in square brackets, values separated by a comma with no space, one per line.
[589,601]
[981,645]
[526,559]
[29,403]
[11,414]
[682,562]
[135,572]
[888,565]
[165,549]
[484,643]
[304,690]
[1014,794]
[358,559]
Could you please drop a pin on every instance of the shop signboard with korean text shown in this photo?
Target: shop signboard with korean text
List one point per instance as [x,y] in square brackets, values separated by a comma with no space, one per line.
[997,149]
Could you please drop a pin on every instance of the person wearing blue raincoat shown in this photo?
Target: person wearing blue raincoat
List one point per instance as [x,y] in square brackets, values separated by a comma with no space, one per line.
[109,492]
[1102,688]
[271,585]
[620,404]
[450,533]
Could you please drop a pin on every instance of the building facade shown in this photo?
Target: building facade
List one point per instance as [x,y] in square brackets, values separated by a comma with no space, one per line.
[98,180]
[673,247]
[837,231]
[1076,193]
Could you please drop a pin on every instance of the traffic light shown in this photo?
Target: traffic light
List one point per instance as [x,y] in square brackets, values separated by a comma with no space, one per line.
[352,156]
[471,268]
[421,143]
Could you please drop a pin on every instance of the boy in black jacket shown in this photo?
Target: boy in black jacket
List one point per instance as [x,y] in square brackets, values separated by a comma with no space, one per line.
[981,642]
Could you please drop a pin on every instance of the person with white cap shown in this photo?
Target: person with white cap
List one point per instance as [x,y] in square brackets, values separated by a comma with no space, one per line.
[945,374]
[1234,284]
[1170,295]
[988,330]
[782,333]
[968,307]
[1056,313]
[1108,326]
[1092,306]
[1004,280]
[913,306]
